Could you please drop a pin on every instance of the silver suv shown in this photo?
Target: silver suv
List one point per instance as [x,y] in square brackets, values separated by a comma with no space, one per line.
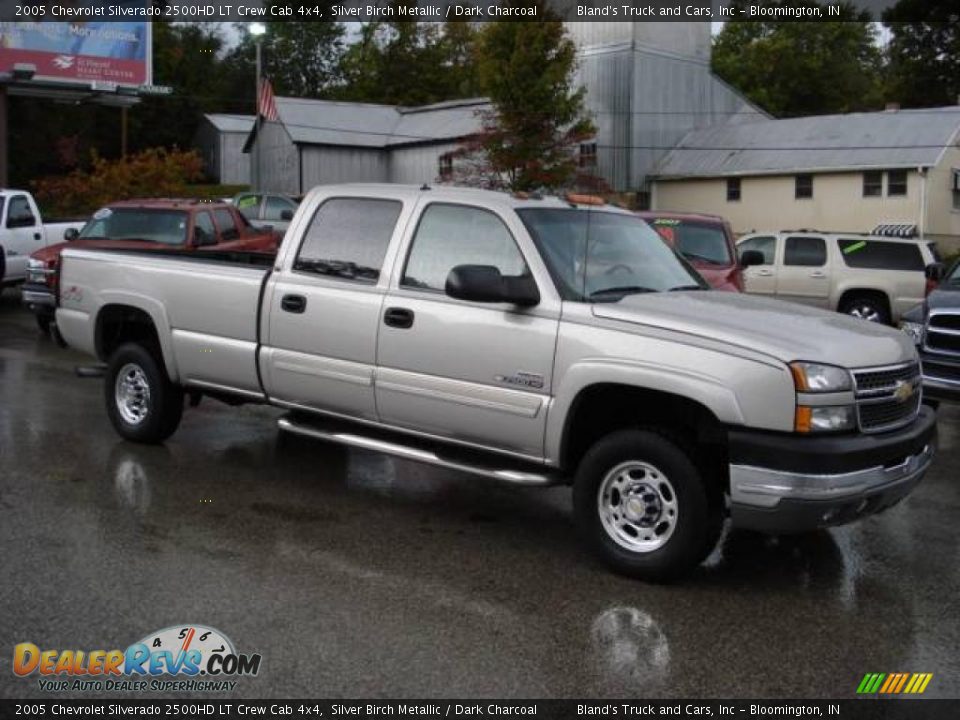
[872,277]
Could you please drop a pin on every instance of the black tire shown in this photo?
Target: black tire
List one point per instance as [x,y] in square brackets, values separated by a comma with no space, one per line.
[43,322]
[698,510]
[867,307]
[161,407]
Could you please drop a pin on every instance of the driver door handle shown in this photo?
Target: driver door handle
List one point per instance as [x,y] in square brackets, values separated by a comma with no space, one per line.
[398,317]
[293,303]
[764,273]
[37,236]
[818,274]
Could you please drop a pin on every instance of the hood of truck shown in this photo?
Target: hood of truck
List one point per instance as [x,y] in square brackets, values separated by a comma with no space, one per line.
[787,331]
[52,252]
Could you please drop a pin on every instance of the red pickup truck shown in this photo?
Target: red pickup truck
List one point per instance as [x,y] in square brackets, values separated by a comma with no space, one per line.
[153,224]
[705,241]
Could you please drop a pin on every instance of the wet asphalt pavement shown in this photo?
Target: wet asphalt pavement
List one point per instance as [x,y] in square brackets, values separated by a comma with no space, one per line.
[357,575]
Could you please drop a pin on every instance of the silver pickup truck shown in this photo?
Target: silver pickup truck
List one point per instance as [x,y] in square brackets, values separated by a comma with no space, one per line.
[531,340]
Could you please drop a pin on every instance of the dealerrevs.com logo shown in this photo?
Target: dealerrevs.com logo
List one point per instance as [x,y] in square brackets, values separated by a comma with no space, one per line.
[177,658]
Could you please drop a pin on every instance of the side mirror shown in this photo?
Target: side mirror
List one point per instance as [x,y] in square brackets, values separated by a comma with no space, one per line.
[749,258]
[935,271]
[286,215]
[71,234]
[485,284]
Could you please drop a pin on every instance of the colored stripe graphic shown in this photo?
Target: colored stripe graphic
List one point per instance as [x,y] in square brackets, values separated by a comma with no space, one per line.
[894,683]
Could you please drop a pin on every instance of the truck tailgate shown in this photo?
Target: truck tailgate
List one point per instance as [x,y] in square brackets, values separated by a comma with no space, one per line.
[205,310]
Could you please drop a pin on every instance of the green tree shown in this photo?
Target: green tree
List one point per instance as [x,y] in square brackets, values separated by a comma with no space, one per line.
[802,68]
[538,117]
[924,55]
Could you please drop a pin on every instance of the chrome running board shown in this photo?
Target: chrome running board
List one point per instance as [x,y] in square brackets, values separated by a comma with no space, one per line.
[469,462]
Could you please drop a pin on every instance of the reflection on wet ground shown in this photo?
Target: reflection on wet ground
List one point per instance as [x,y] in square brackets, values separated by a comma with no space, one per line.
[354,574]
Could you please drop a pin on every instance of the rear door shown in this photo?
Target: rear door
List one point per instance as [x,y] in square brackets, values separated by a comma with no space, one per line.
[22,235]
[324,308]
[804,274]
[474,372]
[760,279]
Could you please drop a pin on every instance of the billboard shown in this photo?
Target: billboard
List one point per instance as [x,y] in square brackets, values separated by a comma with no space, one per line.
[79,52]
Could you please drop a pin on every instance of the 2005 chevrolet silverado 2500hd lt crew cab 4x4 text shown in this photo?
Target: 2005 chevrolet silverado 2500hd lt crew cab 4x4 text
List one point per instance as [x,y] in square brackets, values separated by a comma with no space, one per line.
[526,339]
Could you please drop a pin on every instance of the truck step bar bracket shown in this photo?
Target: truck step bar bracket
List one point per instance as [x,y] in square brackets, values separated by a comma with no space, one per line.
[466,461]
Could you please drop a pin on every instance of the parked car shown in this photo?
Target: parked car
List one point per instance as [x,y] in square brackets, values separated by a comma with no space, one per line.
[706,241]
[934,326]
[267,209]
[870,277]
[150,224]
[530,340]
[22,231]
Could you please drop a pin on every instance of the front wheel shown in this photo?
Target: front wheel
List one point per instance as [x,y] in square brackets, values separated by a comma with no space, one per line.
[142,403]
[645,507]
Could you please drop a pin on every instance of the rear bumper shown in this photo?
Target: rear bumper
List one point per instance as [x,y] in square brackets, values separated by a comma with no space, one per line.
[785,484]
[39,298]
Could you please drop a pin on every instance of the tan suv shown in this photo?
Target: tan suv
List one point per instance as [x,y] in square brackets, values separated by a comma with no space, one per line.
[868,276]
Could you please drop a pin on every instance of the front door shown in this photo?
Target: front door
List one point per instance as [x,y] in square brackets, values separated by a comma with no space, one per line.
[24,236]
[320,344]
[760,279]
[475,372]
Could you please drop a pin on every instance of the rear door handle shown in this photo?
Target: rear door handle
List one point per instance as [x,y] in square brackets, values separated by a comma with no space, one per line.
[764,273]
[818,274]
[398,317]
[294,303]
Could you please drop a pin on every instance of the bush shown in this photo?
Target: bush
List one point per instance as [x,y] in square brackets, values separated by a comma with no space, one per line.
[152,173]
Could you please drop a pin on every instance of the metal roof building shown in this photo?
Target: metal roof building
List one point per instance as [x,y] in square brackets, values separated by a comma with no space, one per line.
[855,141]
[220,140]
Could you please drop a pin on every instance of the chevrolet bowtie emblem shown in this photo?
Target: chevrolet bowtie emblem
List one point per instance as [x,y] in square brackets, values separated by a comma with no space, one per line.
[903,391]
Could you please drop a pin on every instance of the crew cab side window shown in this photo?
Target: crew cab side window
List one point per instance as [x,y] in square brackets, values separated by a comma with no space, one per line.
[805,252]
[348,238]
[767,246]
[20,215]
[228,228]
[203,231]
[450,235]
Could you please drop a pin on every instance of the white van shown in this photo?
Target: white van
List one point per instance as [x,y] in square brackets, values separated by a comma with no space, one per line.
[873,277]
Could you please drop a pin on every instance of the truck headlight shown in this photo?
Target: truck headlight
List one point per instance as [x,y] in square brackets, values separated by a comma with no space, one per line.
[913,330]
[831,418]
[816,378]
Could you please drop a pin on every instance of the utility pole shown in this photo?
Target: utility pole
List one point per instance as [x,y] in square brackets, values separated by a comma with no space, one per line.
[4,177]
[257,30]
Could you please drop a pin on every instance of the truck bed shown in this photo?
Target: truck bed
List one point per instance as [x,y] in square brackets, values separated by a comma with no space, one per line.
[203,304]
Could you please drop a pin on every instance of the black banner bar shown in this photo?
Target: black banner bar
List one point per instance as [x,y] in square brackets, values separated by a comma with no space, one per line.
[873,708]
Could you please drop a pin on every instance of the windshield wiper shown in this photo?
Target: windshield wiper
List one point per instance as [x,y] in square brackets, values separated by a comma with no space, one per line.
[694,256]
[686,287]
[621,290]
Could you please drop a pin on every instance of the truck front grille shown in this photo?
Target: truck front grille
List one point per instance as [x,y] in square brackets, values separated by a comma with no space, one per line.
[943,333]
[888,397]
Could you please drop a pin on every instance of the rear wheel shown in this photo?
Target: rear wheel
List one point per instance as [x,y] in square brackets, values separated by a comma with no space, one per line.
[142,403]
[644,506]
[867,307]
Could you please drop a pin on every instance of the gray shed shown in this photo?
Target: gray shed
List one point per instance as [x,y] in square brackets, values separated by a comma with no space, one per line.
[220,140]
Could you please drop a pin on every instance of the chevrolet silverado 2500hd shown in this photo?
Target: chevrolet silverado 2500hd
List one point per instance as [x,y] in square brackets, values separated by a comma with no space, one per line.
[525,339]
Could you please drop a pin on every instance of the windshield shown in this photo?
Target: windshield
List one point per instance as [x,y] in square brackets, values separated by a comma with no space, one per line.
[168,227]
[603,256]
[694,240]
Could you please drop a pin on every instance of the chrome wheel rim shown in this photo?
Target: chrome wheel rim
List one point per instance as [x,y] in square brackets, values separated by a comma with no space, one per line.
[865,312]
[132,394]
[637,506]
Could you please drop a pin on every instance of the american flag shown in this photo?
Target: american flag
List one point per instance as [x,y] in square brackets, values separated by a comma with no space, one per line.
[266,105]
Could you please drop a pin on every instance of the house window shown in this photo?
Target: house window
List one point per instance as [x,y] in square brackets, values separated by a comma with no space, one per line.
[588,155]
[803,186]
[873,184]
[896,182]
[955,186]
[445,166]
[733,189]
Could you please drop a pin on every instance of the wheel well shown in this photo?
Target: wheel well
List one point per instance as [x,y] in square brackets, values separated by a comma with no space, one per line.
[119,324]
[601,409]
[864,292]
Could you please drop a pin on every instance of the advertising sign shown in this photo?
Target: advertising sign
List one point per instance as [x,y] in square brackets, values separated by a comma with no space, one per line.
[79,52]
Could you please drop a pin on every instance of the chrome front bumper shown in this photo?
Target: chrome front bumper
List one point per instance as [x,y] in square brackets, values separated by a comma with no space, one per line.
[778,501]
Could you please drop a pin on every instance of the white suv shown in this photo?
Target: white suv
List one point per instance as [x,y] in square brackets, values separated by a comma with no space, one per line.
[872,277]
